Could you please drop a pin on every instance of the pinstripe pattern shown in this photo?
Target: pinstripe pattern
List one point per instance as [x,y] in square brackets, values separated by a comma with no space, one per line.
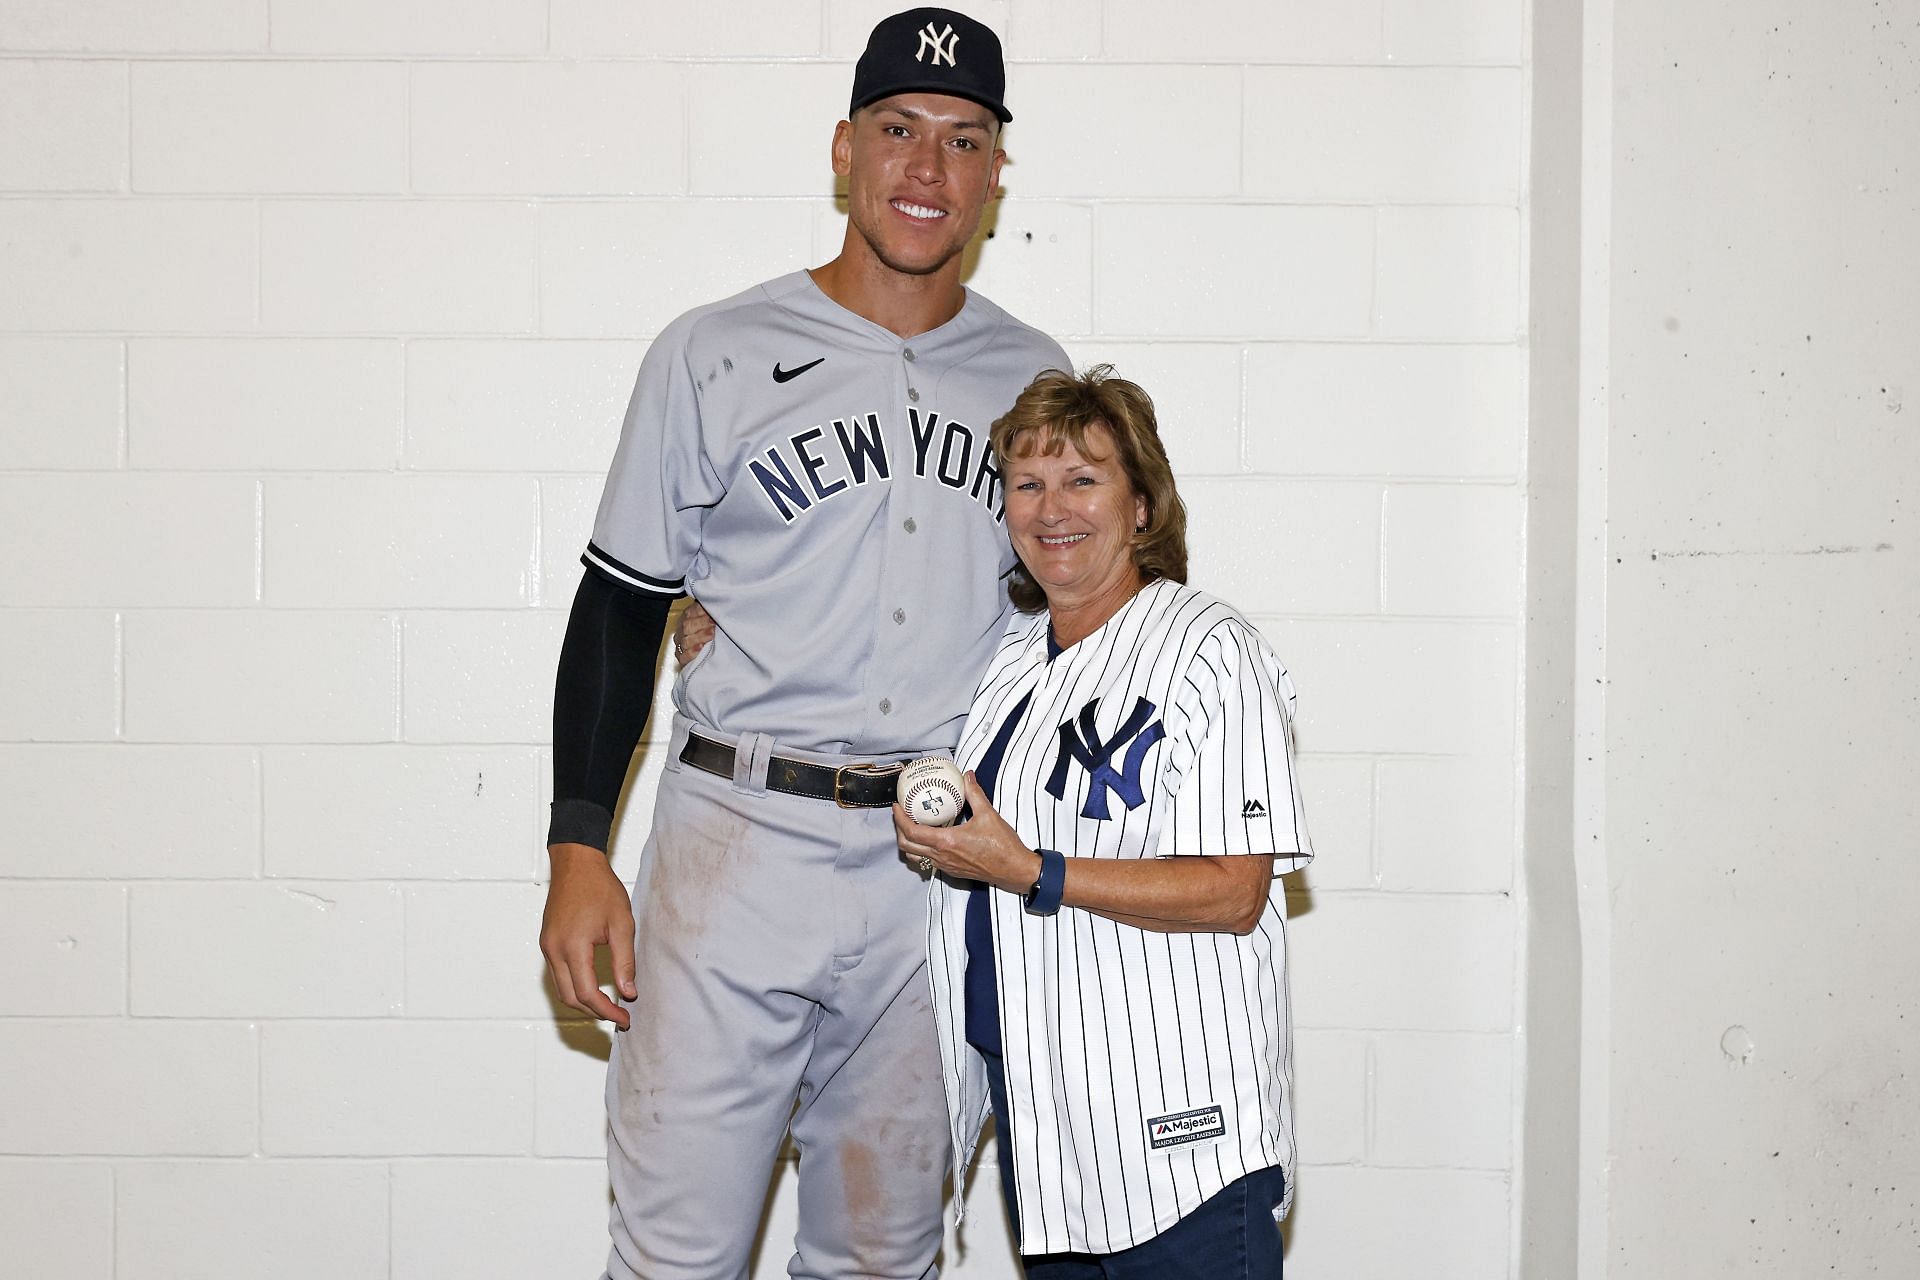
[1106,1026]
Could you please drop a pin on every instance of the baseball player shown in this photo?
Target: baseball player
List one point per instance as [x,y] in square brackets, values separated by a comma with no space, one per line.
[810,459]
[1108,934]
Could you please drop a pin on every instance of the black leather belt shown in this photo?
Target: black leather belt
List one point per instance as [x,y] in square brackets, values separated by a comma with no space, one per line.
[851,786]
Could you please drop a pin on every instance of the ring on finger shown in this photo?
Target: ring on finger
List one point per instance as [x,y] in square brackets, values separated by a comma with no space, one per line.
[926,864]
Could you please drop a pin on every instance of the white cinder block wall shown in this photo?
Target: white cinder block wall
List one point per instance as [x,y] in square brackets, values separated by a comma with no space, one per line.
[316,319]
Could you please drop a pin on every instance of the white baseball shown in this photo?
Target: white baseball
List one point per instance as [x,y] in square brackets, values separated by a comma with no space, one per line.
[932,791]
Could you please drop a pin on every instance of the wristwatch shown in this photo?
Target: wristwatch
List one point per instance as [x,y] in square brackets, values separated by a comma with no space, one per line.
[1044,898]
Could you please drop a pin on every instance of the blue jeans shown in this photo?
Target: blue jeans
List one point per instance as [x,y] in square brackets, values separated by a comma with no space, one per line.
[1232,1236]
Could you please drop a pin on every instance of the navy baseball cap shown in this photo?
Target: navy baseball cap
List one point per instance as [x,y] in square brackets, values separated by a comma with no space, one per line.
[932,51]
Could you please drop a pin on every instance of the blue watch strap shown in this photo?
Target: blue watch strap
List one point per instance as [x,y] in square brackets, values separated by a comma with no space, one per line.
[1044,898]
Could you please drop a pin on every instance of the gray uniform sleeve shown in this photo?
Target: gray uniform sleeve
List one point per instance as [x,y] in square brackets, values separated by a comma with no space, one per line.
[661,486]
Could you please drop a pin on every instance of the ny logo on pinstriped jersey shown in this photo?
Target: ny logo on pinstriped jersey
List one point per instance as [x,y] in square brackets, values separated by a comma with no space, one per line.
[943,43]
[1081,741]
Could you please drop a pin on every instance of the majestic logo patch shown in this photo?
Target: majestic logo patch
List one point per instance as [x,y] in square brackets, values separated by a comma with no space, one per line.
[943,44]
[788,375]
[1253,809]
[1187,1126]
[1082,742]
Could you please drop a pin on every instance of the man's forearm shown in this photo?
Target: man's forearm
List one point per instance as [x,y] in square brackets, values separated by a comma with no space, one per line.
[603,693]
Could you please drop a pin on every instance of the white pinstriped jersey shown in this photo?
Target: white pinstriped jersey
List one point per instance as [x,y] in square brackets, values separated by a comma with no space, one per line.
[1145,1071]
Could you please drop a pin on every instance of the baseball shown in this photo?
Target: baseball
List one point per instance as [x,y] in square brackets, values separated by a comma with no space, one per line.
[932,791]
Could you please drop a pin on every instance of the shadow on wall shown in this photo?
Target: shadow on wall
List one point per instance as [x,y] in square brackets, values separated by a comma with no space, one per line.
[575,1030]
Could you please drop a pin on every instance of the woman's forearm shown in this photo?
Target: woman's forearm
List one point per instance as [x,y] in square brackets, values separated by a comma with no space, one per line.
[1173,895]
[1192,894]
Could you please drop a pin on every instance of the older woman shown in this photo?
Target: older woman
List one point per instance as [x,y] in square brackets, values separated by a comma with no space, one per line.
[1108,929]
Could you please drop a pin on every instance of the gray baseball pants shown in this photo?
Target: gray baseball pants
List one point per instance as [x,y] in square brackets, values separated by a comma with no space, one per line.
[780,949]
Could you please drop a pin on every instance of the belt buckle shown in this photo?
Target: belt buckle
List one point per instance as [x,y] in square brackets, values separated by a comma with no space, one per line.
[865,770]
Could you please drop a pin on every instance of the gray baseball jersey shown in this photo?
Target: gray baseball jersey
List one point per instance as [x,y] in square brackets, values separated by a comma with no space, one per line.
[826,489]
[1145,1071]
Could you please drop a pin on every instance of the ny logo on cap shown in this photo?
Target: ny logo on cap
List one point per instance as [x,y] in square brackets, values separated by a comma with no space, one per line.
[943,44]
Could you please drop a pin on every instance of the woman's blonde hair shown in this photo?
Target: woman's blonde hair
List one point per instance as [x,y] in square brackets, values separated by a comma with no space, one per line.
[1056,410]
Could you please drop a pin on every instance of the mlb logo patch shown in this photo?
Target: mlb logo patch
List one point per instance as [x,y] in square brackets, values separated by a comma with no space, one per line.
[1187,1126]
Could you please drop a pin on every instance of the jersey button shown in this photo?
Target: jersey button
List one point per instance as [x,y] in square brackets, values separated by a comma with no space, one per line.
[913,394]
[909,525]
[908,353]
[886,706]
[899,617]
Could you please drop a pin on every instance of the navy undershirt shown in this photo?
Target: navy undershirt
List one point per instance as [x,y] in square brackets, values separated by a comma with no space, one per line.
[981,987]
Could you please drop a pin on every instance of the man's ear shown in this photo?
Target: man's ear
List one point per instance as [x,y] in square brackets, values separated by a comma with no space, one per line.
[843,148]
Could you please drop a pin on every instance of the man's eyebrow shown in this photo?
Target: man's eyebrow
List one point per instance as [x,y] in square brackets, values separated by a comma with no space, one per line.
[976,123]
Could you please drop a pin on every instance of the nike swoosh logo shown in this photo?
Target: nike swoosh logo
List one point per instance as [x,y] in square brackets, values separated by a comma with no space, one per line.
[788,375]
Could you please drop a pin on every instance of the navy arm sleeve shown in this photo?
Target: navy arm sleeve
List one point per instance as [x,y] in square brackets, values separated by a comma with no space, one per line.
[602,695]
